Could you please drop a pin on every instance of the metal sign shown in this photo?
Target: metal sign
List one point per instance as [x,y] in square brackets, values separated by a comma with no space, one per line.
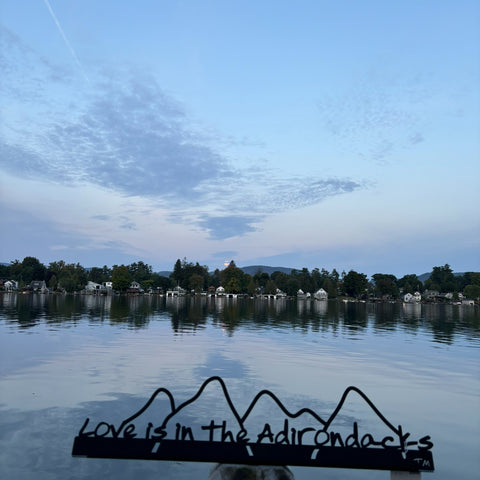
[318,444]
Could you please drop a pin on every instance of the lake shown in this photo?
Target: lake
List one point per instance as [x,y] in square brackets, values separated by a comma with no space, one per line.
[66,358]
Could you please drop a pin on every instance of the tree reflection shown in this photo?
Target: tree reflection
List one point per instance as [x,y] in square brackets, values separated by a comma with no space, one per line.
[188,314]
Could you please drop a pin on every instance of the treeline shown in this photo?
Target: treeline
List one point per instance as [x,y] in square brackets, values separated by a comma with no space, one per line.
[197,278]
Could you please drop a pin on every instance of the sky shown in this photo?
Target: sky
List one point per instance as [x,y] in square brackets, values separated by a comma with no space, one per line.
[330,134]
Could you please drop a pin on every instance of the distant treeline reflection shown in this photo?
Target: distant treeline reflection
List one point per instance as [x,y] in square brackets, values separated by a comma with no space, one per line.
[187,314]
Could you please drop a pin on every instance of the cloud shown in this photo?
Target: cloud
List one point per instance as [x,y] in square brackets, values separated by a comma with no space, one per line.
[220,228]
[380,114]
[122,132]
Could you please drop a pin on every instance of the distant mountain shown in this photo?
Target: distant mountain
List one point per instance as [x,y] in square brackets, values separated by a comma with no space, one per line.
[423,277]
[164,273]
[253,269]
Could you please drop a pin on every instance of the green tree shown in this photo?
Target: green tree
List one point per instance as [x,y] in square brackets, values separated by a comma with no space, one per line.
[472,292]
[214,278]
[232,278]
[330,288]
[196,282]
[355,284]
[71,277]
[5,271]
[28,270]
[410,283]
[161,282]
[140,271]
[281,280]
[251,287]
[100,275]
[270,287]
[441,279]
[52,283]
[261,278]
[385,284]
[233,285]
[183,270]
[121,278]
[177,274]
[292,286]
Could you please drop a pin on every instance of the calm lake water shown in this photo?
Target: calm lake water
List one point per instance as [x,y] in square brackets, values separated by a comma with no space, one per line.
[63,359]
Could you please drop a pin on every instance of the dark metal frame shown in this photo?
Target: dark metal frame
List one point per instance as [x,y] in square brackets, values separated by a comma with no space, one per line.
[106,441]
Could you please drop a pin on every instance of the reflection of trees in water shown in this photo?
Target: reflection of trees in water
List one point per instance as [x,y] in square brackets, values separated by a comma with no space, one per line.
[187,314]
[355,316]
[446,321]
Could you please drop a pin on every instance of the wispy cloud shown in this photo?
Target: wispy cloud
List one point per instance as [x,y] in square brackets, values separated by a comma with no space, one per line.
[127,135]
[381,114]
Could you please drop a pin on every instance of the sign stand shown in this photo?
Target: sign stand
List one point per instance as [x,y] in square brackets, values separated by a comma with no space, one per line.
[317,445]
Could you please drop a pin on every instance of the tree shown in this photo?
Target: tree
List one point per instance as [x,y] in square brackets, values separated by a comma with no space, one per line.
[52,283]
[251,287]
[183,270]
[5,271]
[177,274]
[385,284]
[330,288]
[305,280]
[140,271]
[441,279]
[28,270]
[261,278]
[355,284]
[232,278]
[161,282]
[196,282]
[71,277]
[292,286]
[472,292]
[270,287]
[121,278]
[410,283]
[100,275]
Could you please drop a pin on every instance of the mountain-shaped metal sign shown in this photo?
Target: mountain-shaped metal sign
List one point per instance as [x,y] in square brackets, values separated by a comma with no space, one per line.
[316,445]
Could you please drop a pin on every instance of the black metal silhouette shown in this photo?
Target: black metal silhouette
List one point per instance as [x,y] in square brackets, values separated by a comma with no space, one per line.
[327,449]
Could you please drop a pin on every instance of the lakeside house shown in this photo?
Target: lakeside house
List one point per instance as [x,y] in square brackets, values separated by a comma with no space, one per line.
[10,285]
[301,295]
[415,298]
[92,287]
[38,286]
[320,294]
[178,291]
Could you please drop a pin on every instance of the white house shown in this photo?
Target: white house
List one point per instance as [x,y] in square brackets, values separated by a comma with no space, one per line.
[92,287]
[135,286]
[301,294]
[321,294]
[10,285]
[38,286]
[176,292]
[415,298]
[280,294]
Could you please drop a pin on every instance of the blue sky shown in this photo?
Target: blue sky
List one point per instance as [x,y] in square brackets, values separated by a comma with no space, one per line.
[302,134]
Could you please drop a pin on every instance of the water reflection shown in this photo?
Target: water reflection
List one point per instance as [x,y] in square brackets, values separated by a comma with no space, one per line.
[415,361]
[443,322]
